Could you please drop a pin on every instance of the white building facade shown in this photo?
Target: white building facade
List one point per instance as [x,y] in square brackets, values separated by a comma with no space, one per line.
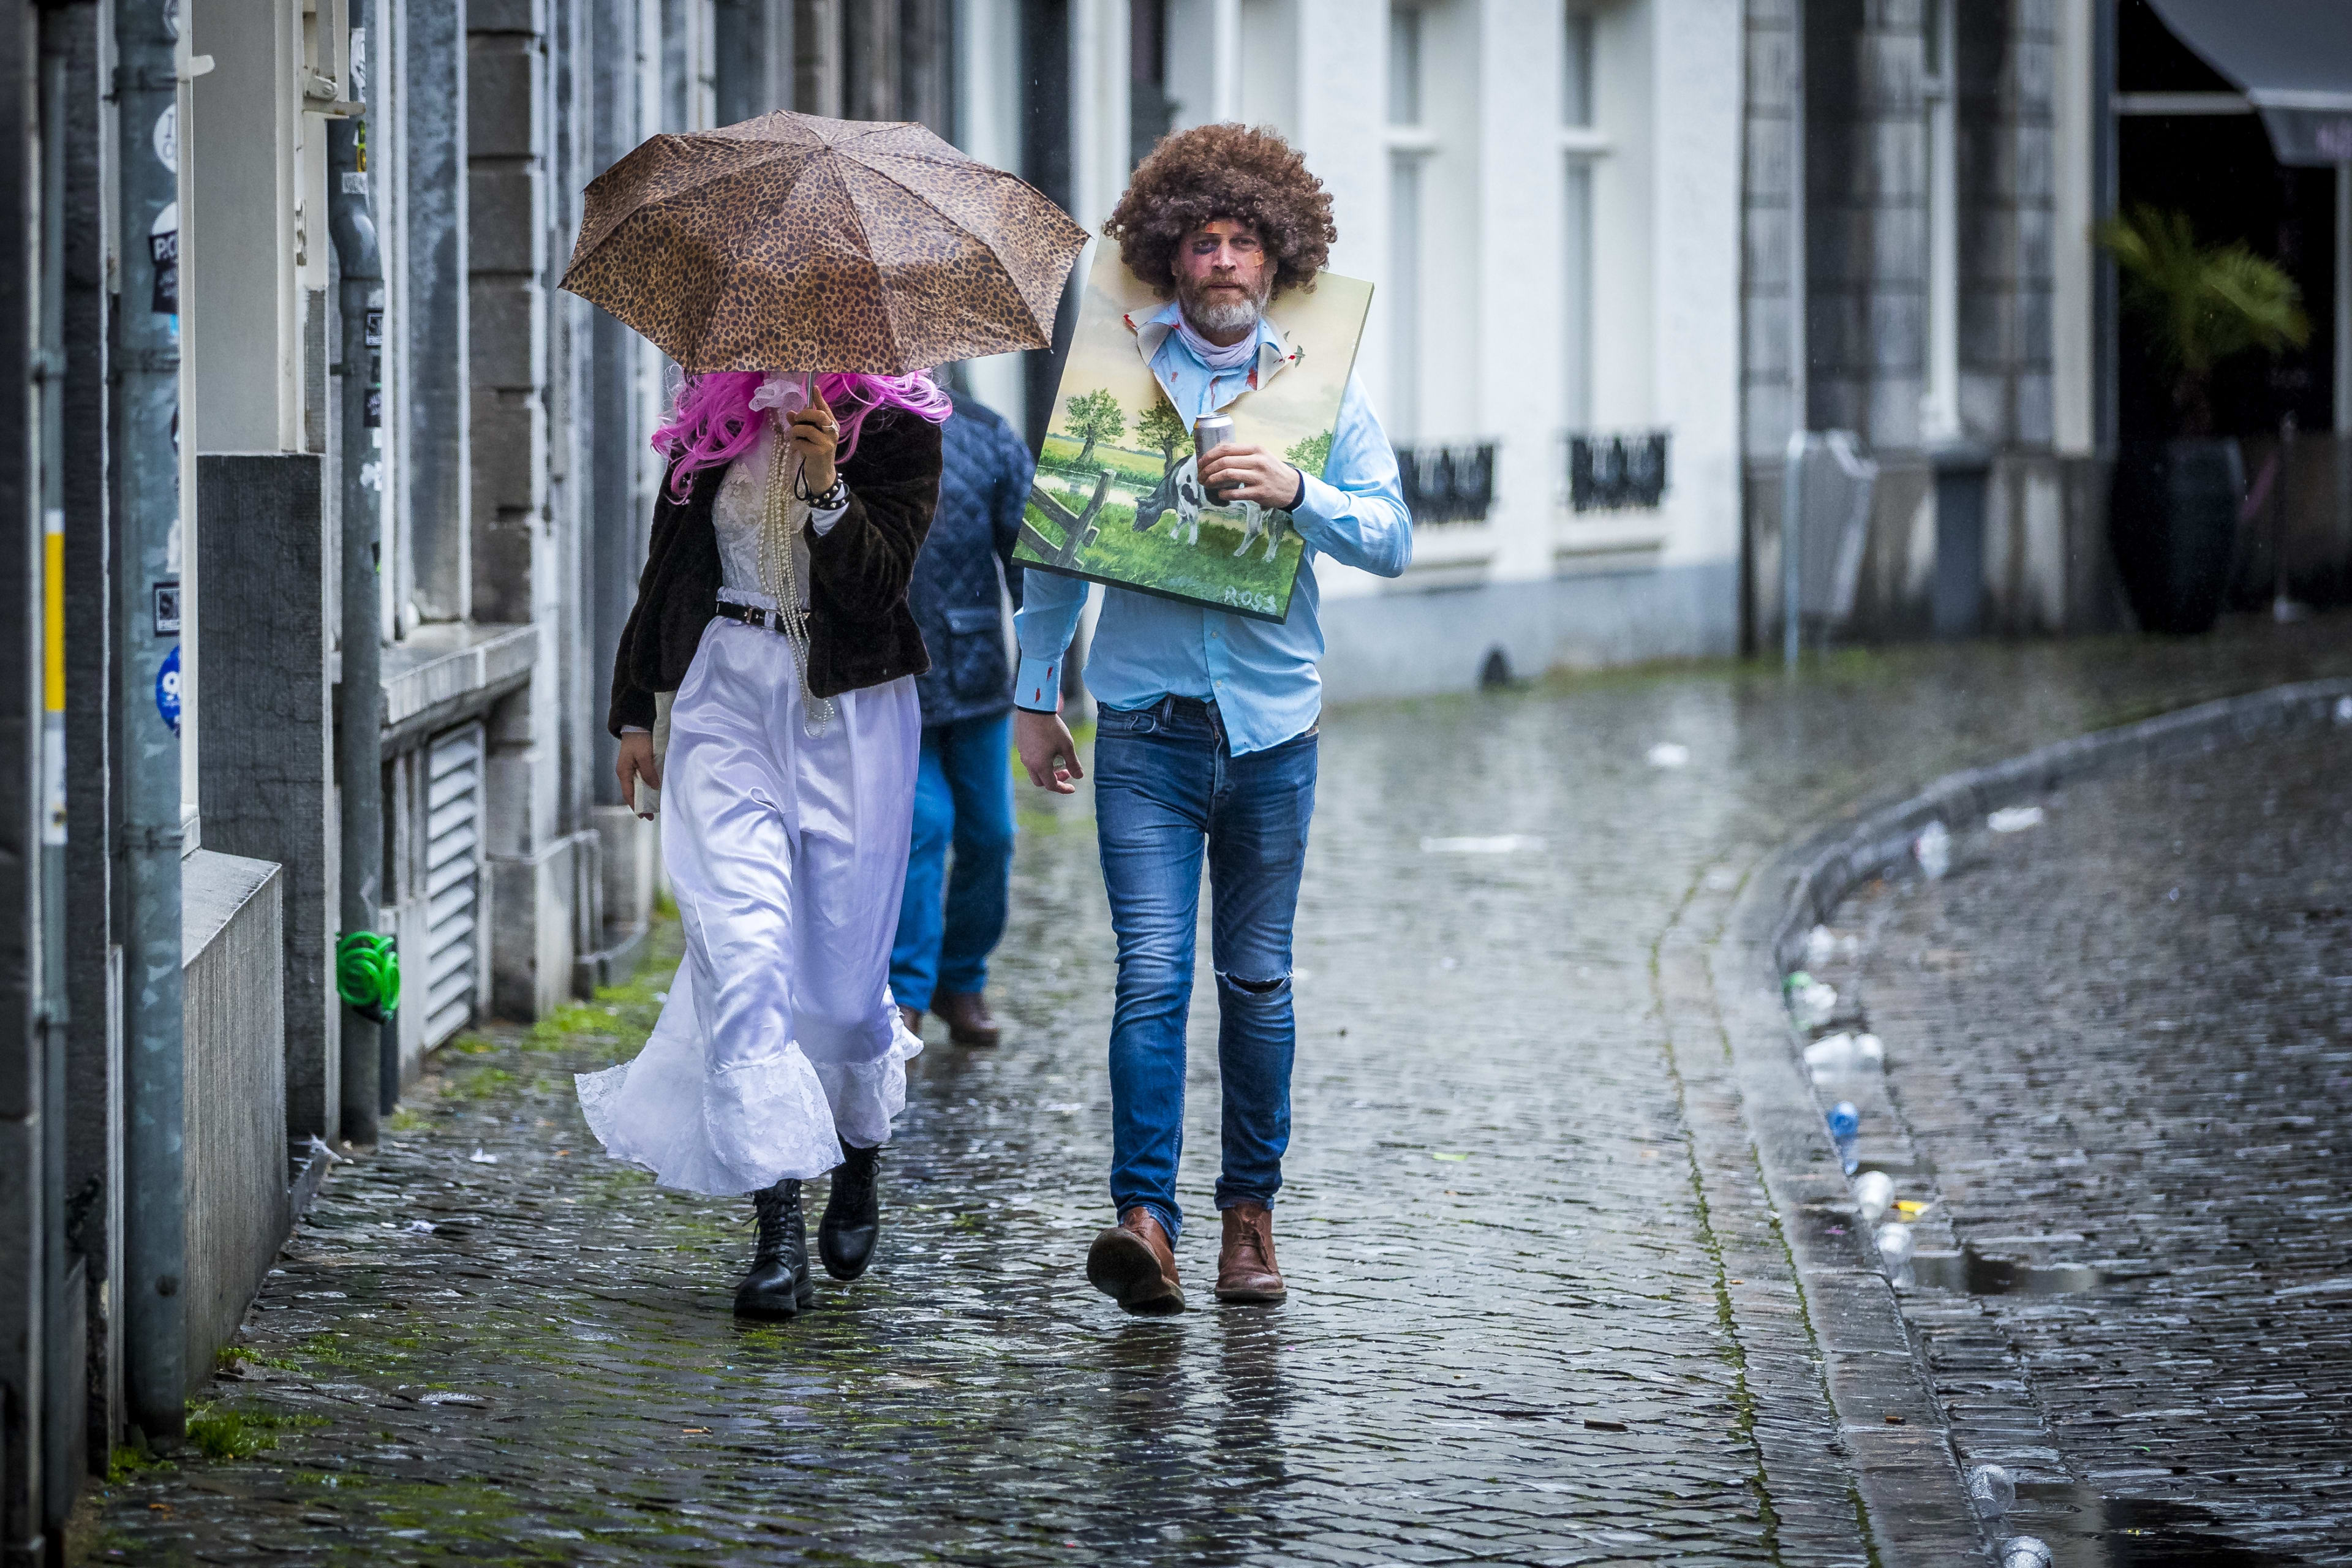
[1548,204]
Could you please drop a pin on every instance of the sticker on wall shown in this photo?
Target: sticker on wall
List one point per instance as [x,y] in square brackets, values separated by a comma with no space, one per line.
[167,689]
[167,137]
[164,250]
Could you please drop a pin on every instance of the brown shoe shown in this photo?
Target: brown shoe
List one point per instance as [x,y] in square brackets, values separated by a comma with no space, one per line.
[967,1016]
[1246,1269]
[913,1018]
[1133,1265]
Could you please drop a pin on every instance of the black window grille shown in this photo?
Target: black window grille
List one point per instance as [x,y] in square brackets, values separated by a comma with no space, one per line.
[1612,473]
[1447,484]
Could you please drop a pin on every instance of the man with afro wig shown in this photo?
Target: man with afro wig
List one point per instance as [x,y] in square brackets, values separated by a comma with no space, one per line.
[1205,735]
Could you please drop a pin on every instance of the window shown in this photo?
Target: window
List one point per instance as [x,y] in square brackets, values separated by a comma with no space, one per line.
[1150,111]
[1404,65]
[1408,147]
[1576,78]
[1581,146]
[1939,401]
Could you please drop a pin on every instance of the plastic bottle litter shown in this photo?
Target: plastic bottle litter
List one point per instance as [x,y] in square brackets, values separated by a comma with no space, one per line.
[1811,1001]
[1845,1124]
[1822,945]
[1873,1194]
[1895,1244]
[2014,819]
[1993,1489]
[2024,1551]
[1833,1051]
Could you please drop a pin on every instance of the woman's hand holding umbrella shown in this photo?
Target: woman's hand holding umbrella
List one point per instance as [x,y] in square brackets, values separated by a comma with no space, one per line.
[814,434]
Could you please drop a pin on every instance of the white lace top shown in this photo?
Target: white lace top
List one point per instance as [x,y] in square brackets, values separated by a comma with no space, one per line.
[739,512]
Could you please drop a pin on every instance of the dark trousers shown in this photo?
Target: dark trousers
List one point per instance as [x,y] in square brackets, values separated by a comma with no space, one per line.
[963,801]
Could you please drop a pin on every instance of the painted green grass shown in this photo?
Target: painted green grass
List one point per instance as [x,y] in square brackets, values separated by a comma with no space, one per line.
[1158,560]
[1142,468]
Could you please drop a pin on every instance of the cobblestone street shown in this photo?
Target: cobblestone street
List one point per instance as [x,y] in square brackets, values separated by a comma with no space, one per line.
[1512,1336]
[2120,1041]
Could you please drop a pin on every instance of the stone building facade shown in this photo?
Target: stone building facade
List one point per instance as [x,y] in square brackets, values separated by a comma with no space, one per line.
[1952,165]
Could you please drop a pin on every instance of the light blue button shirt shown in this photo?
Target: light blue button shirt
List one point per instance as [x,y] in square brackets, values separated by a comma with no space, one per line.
[1260,674]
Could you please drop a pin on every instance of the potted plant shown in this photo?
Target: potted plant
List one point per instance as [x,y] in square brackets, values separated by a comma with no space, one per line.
[2175,514]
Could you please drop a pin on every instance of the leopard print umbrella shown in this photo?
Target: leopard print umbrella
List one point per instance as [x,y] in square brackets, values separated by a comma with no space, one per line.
[794,242]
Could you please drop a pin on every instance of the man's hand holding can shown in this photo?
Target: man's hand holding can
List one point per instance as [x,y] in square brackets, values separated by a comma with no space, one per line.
[1231,473]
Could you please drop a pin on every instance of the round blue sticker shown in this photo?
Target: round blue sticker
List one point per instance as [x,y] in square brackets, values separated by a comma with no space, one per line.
[167,688]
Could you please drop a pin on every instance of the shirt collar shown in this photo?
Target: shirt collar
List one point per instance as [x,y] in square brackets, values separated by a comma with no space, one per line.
[1152,331]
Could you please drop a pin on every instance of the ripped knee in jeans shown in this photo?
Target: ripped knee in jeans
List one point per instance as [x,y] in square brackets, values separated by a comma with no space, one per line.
[1256,987]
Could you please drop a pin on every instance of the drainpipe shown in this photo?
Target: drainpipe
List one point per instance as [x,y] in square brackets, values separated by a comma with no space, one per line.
[359,722]
[1792,470]
[2343,388]
[146,364]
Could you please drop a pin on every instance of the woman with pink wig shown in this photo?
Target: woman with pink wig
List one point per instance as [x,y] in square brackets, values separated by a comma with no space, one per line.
[763,694]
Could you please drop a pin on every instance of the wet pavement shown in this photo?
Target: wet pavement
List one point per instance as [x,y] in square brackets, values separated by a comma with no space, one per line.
[1514,1334]
[2119,1043]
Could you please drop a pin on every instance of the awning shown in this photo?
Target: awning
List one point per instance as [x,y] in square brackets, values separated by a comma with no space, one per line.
[2292,58]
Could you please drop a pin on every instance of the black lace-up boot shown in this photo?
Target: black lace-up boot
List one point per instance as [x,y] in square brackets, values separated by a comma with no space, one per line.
[778,1285]
[853,1214]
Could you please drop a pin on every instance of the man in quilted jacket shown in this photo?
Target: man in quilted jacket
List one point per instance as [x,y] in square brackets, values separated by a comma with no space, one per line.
[963,789]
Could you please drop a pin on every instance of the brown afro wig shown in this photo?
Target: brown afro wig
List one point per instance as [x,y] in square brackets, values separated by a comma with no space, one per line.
[1230,172]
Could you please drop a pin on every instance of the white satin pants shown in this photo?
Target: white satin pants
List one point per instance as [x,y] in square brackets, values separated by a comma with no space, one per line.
[787,856]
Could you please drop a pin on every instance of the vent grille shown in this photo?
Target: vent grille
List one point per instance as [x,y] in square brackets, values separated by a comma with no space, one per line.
[453,881]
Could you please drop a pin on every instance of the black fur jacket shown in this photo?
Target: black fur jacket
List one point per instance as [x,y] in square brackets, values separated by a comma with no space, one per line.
[860,630]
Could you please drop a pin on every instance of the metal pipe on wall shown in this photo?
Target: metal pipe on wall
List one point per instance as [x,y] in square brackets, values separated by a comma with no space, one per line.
[23,1022]
[146,436]
[359,712]
[1792,472]
[64,1392]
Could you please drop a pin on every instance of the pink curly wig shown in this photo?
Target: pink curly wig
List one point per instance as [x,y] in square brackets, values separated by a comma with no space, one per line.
[712,423]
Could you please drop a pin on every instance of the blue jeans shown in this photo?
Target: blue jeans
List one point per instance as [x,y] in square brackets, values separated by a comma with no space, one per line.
[1165,789]
[963,798]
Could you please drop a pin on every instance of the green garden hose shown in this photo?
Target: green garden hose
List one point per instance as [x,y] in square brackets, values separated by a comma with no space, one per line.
[367,975]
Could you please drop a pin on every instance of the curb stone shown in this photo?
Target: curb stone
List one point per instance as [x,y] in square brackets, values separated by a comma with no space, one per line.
[1892,1430]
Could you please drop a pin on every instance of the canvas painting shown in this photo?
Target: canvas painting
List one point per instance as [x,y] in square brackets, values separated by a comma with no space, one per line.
[1117,498]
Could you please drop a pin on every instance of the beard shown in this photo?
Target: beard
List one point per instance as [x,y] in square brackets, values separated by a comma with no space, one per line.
[1222,312]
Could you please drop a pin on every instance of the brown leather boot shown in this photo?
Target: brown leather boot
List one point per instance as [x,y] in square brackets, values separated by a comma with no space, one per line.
[967,1016]
[1246,1268]
[913,1018]
[1133,1265]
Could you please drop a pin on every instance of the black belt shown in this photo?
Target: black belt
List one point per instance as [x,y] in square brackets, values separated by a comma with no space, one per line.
[752,615]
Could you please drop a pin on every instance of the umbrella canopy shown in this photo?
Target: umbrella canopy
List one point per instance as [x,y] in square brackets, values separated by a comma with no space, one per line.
[794,242]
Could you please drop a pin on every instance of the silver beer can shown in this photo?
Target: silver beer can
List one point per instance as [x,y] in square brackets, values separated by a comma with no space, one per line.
[1210,431]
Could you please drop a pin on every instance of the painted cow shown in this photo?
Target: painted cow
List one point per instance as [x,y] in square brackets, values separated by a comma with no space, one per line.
[1179,490]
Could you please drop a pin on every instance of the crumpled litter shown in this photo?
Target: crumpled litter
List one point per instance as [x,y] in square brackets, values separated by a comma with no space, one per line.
[1933,850]
[1497,844]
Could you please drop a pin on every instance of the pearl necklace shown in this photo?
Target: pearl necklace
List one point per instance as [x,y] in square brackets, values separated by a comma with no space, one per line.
[780,580]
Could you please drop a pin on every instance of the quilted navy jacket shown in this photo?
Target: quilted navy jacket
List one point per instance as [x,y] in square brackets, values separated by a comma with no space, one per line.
[983,484]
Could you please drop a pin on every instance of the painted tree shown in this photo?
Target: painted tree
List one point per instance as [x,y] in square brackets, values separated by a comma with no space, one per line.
[1310,455]
[1095,417]
[1163,428]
